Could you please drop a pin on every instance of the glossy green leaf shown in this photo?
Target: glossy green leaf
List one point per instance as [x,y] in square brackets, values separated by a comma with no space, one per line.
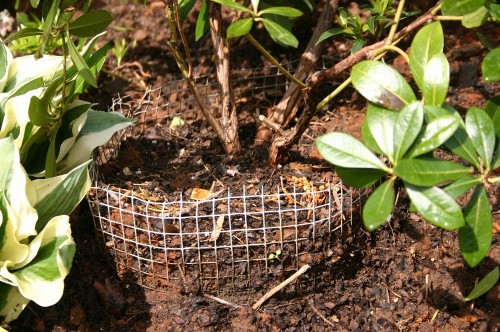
[185,7]
[240,27]
[381,84]
[234,5]
[460,187]
[90,24]
[480,129]
[406,129]
[202,23]
[494,9]
[381,123]
[368,139]
[490,67]
[379,206]
[430,172]
[282,11]
[279,34]
[484,285]
[476,235]
[346,151]
[435,134]
[493,110]
[359,177]
[436,80]
[436,206]
[81,65]
[460,7]
[476,18]
[427,43]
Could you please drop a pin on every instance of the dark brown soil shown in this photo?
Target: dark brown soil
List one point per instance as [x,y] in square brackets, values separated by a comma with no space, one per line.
[406,276]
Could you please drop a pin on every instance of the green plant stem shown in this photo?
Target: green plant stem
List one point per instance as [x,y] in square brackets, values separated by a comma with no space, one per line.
[333,94]
[394,48]
[273,60]
[447,18]
[394,25]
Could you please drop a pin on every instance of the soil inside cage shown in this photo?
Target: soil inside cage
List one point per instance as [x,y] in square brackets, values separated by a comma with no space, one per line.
[182,212]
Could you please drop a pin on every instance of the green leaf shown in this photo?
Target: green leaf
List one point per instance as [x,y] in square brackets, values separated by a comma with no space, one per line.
[459,187]
[483,286]
[343,150]
[49,11]
[23,33]
[430,172]
[202,23]
[279,33]
[329,33]
[436,206]
[490,67]
[95,63]
[381,84]
[480,129]
[50,161]
[476,18]
[476,235]
[12,303]
[39,112]
[234,5]
[5,60]
[436,80]
[368,138]
[460,7]
[379,206]
[406,129]
[493,110]
[428,42]
[240,27]
[357,45]
[282,11]
[494,9]
[459,143]
[81,65]
[90,24]
[185,7]
[60,194]
[381,123]
[359,177]
[436,133]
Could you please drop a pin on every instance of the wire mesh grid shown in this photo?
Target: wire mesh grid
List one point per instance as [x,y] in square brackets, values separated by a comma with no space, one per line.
[227,243]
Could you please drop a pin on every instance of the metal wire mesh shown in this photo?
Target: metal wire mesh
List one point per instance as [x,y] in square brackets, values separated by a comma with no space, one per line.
[227,243]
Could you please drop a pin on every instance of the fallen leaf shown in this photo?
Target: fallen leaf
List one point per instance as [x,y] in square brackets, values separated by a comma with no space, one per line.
[218,228]
[199,194]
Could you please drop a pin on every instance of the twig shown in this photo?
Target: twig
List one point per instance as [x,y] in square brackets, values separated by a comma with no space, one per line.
[268,123]
[320,314]
[216,299]
[276,289]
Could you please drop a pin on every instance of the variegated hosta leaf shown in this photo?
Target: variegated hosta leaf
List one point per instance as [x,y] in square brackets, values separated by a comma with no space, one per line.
[12,303]
[11,250]
[15,183]
[5,61]
[41,279]
[98,129]
[16,116]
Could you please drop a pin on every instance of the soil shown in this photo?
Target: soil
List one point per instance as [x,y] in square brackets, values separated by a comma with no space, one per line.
[406,276]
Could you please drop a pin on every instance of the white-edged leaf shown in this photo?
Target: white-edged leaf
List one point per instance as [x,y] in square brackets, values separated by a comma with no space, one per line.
[12,303]
[41,279]
[5,61]
[98,129]
[346,151]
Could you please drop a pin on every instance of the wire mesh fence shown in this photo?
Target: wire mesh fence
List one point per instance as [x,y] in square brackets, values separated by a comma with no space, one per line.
[229,242]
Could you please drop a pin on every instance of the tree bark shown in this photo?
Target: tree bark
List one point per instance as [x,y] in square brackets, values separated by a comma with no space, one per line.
[229,117]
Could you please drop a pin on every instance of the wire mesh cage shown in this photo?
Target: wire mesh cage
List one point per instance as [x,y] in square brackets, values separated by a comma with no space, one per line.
[229,242]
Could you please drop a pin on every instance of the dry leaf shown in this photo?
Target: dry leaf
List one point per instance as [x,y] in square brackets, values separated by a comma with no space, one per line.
[199,194]
[218,228]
